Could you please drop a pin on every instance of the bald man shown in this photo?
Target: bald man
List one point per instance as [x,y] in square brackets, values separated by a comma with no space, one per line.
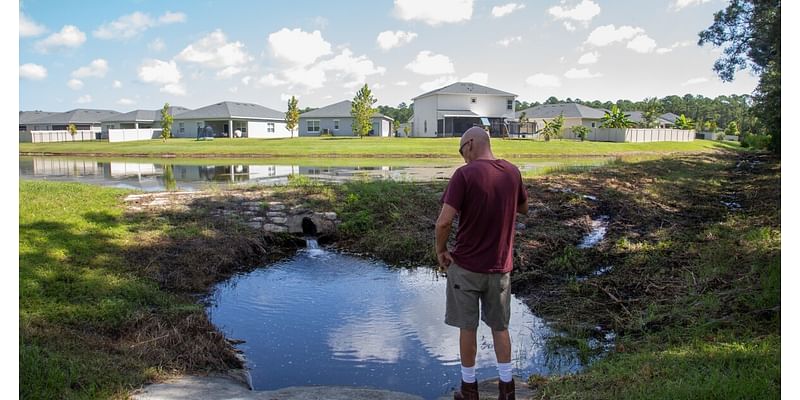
[486,194]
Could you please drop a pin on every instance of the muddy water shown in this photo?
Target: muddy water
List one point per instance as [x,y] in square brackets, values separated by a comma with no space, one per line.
[198,175]
[324,318]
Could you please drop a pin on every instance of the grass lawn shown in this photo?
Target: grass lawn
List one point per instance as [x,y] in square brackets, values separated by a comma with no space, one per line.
[367,147]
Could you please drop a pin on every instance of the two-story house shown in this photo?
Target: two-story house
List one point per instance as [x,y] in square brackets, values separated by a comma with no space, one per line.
[451,110]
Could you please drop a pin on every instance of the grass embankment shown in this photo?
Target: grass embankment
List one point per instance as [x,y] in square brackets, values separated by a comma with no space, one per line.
[358,148]
[106,298]
[694,293]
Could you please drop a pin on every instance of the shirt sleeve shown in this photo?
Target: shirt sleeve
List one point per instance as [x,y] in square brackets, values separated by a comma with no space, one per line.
[454,194]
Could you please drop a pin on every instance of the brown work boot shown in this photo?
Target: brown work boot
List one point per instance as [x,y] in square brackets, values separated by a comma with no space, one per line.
[469,391]
[506,390]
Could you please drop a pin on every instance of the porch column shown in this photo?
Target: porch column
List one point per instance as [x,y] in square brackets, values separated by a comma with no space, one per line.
[230,130]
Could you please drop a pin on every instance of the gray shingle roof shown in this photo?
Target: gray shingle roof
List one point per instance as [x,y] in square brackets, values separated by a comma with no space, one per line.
[232,109]
[638,117]
[570,110]
[76,116]
[144,115]
[336,110]
[466,88]
[669,117]
[27,116]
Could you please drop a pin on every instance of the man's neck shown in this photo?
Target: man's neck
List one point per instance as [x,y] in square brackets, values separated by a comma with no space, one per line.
[485,156]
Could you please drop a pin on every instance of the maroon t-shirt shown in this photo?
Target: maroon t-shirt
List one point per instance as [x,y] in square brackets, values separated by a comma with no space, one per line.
[486,194]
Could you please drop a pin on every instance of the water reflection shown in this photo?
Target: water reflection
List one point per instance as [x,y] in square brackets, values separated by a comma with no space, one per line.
[324,318]
[194,175]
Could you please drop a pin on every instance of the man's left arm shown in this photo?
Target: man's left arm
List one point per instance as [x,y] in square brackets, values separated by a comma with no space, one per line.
[522,197]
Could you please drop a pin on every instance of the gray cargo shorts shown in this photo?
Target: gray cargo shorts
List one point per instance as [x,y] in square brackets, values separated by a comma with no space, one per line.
[464,291]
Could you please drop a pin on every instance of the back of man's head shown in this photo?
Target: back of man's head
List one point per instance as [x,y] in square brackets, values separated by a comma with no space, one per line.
[479,137]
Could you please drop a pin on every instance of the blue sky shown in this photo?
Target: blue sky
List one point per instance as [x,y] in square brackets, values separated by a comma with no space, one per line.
[127,55]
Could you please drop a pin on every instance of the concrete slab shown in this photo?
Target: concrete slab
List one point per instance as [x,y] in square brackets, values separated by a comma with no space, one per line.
[227,387]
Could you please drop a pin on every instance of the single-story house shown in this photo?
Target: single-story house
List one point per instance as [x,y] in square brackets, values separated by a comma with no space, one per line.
[335,119]
[84,119]
[670,117]
[574,114]
[137,119]
[637,117]
[452,109]
[231,119]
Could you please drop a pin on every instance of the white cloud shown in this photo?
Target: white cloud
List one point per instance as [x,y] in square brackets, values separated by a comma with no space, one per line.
[589,58]
[388,39]
[233,89]
[509,41]
[665,50]
[116,84]
[97,68]
[354,70]
[433,12]
[131,25]
[287,97]
[75,84]
[481,78]
[268,80]
[695,81]
[215,52]
[642,44]
[320,22]
[582,73]
[125,102]
[172,17]
[608,34]
[428,63]
[297,46]
[156,45]
[378,86]
[582,12]
[29,27]
[87,98]
[68,36]
[34,72]
[681,4]
[438,82]
[568,26]
[499,11]
[246,80]
[543,81]
[311,78]
[164,73]
[401,83]
[176,89]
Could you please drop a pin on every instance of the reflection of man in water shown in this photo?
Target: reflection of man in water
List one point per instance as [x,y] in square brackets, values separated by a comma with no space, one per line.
[486,194]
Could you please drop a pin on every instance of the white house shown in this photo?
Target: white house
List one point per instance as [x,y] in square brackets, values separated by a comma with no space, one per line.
[229,119]
[335,119]
[451,110]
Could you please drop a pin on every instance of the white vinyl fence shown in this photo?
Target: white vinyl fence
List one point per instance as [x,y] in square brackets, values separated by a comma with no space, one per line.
[129,135]
[56,136]
[635,135]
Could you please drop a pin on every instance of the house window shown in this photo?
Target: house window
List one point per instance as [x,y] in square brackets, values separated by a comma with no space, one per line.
[313,125]
[336,124]
[592,124]
[270,127]
[426,126]
[180,127]
[509,104]
[473,100]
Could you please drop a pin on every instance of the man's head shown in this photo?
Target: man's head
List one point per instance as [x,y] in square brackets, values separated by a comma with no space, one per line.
[475,144]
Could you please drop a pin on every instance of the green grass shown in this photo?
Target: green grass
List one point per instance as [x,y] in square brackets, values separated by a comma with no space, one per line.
[367,147]
[77,294]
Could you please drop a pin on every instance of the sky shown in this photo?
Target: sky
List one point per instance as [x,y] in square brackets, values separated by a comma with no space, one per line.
[126,55]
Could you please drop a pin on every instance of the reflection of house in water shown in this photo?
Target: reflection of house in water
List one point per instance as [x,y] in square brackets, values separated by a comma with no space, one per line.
[117,169]
[44,166]
[343,173]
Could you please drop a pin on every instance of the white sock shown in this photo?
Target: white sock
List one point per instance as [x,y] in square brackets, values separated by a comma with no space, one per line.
[468,374]
[504,369]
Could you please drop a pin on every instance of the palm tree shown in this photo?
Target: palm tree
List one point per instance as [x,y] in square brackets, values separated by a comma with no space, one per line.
[616,119]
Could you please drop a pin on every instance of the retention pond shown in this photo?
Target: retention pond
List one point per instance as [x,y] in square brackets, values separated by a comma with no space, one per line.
[327,318]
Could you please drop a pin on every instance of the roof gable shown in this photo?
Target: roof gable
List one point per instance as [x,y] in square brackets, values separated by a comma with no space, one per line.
[466,88]
[231,109]
[336,110]
[570,110]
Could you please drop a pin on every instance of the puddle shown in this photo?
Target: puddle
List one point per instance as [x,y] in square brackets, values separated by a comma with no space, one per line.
[597,234]
[325,318]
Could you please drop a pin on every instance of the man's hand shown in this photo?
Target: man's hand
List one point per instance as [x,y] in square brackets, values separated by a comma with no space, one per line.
[445,259]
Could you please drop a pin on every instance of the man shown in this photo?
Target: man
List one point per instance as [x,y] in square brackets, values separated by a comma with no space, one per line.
[486,193]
